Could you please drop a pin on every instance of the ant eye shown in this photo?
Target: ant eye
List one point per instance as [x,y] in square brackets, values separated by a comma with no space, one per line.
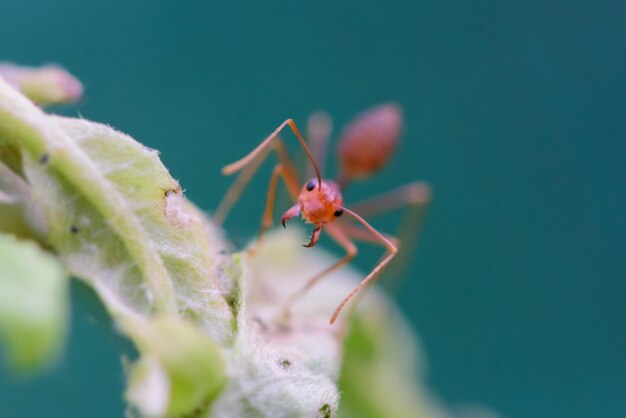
[338,212]
[310,185]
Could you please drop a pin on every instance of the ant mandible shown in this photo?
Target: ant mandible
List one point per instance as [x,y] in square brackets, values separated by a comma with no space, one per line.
[365,147]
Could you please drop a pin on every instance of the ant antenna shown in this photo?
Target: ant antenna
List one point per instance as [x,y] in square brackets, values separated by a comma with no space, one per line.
[295,130]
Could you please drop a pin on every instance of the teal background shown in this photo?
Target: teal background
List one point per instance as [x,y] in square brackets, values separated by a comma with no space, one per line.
[516,114]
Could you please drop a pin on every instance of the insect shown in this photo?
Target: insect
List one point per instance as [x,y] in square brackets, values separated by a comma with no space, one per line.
[365,147]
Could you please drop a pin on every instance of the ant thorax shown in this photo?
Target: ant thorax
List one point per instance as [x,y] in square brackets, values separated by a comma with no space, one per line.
[320,205]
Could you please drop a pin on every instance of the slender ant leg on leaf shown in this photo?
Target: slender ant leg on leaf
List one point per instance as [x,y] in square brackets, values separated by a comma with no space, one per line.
[365,147]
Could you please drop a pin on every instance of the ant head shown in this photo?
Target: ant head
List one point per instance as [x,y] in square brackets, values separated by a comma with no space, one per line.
[318,205]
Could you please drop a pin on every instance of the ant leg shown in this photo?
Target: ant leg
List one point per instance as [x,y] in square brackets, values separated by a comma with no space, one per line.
[240,164]
[319,127]
[358,233]
[342,239]
[416,198]
[373,275]
[234,191]
[242,180]
[417,194]
[268,213]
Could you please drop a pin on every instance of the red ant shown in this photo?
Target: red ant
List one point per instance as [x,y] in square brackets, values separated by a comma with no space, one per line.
[365,147]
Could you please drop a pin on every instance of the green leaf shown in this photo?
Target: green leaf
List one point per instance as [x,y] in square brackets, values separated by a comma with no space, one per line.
[117,218]
[34,304]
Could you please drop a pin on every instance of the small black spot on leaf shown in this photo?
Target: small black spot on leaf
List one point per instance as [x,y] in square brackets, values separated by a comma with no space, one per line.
[44,159]
[74,229]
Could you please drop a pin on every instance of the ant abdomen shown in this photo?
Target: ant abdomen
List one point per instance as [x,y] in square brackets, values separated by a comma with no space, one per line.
[368,142]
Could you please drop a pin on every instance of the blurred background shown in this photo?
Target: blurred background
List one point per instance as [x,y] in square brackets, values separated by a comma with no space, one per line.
[515,113]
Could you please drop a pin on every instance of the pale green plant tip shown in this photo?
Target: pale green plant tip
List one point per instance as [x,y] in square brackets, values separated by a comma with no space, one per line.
[46,85]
